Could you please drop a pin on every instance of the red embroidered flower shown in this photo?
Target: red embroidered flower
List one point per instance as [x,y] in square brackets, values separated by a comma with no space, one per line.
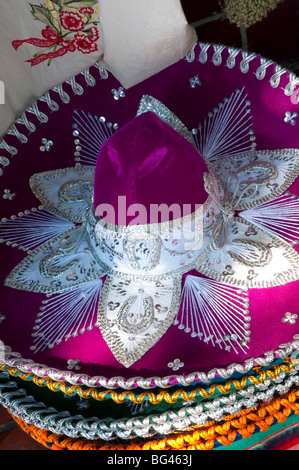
[93,32]
[85,43]
[86,11]
[71,21]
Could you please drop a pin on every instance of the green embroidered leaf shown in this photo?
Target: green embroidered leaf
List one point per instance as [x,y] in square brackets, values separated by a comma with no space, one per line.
[57,2]
[44,15]
[80,3]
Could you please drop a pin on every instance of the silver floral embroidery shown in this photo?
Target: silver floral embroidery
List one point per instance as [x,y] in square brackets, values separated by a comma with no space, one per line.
[46,145]
[290,318]
[7,194]
[290,118]
[73,364]
[117,94]
[175,365]
[194,81]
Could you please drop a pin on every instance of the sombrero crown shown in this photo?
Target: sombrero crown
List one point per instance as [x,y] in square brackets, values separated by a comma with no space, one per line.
[147,164]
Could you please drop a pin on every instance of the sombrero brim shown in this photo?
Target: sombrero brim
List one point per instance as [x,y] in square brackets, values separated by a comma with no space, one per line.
[76,418]
[158,399]
[177,358]
[277,420]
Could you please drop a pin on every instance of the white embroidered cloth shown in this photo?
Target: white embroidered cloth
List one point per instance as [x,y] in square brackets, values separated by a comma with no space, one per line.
[134,39]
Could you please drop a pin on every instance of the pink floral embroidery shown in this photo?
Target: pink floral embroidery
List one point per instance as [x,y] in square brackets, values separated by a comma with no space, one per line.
[65,31]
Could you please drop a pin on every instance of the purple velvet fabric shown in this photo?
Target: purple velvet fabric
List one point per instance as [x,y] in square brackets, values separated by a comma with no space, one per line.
[191,105]
[148,163]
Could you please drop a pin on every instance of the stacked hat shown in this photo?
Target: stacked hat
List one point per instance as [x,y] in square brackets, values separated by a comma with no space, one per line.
[150,258]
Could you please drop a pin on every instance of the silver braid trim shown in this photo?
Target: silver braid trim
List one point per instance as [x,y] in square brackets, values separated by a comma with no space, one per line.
[43,116]
[14,359]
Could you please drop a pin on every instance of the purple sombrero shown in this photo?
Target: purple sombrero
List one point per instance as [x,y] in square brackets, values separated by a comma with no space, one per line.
[160,224]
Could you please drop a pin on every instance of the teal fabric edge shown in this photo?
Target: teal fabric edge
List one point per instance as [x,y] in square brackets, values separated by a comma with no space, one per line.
[257,440]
